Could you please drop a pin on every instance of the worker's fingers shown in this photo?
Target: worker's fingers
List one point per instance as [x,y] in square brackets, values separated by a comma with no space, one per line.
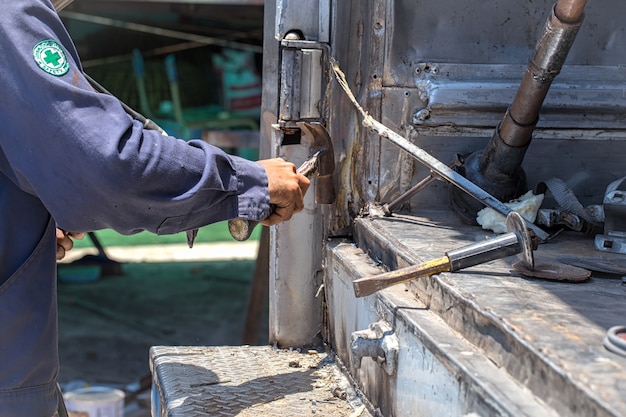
[65,242]
[286,189]
[304,184]
[279,215]
[76,235]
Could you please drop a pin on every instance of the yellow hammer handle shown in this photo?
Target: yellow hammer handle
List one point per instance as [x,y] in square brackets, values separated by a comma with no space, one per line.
[369,285]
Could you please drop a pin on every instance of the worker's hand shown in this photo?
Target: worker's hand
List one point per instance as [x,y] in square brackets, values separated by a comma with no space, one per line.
[286,187]
[65,242]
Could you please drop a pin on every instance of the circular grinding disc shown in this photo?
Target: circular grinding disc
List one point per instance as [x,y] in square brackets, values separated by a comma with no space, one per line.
[554,271]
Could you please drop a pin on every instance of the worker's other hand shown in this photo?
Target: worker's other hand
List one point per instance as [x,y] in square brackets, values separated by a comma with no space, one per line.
[65,242]
[286,188]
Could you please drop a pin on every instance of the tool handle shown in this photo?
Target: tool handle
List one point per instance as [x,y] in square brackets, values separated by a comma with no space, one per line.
[241,229]
[369,285]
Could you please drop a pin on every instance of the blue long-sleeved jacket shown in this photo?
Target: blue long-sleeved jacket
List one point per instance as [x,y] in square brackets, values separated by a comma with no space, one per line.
[72,156]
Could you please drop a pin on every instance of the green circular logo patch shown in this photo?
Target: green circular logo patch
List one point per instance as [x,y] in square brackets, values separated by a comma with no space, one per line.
[50,57]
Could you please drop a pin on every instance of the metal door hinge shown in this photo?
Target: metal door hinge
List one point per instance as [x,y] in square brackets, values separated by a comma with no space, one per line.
[303,79]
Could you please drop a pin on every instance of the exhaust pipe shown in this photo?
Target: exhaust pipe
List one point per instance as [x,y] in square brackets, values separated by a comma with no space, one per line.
[497,169]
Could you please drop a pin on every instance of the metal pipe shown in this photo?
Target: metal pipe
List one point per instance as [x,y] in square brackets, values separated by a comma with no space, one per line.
[498,168]
[570,11]
[550,54]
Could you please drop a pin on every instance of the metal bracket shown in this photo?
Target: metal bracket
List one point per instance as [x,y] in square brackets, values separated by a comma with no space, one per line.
[378,342]
[614,237]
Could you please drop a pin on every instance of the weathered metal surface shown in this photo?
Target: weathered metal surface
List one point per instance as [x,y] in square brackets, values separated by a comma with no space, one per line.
[312,21]
[546,335]
[497,32]
[249,381]
[358,43]
[378,342]
[518,240]
[576,164]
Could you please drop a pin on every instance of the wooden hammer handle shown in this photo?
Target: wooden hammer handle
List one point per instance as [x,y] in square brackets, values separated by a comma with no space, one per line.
[369,285]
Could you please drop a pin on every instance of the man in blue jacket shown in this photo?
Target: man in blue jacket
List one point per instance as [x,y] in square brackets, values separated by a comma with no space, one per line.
[72,157]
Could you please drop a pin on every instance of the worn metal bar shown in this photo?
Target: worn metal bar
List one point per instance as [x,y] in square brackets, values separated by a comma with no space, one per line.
[61,4]
[388,209]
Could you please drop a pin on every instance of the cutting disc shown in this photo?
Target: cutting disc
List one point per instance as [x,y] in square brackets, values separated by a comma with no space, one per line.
[554,271]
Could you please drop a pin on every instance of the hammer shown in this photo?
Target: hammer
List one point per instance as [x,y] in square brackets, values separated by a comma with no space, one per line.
[320,165]
[518,239]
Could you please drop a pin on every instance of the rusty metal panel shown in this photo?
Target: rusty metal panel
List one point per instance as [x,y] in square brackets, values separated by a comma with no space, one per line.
[249,381]
[467,59]
[494,32]
[575,157]
[312,21]
[358,42]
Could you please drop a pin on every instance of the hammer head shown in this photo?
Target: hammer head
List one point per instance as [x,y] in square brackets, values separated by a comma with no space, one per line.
[325,187]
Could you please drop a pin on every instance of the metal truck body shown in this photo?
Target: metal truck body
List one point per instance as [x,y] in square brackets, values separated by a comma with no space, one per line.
[442,74]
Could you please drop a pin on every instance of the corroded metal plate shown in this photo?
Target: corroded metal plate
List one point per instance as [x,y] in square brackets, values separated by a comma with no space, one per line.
[249,381]
[555,271]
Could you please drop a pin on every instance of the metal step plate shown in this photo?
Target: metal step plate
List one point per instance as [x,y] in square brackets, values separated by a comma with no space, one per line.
[249,381]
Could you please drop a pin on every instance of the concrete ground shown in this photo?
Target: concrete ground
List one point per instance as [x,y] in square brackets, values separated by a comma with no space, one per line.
[166,295]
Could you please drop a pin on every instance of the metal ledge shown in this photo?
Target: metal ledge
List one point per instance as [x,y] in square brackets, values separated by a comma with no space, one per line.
[547,335]
[438,371]
[249,381]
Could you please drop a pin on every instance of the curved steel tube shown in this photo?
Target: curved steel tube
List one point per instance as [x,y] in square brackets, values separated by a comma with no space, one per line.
[570,11]
[550,54]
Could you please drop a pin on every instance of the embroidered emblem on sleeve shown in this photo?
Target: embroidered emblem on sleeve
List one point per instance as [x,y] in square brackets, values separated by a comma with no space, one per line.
[50,57]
